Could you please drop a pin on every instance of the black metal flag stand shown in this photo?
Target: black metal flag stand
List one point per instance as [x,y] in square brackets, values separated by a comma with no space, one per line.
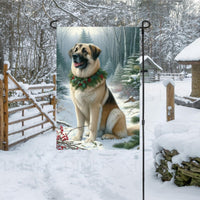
[145,24]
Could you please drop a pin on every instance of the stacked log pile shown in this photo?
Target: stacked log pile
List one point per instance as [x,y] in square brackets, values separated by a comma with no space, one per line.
[185,174]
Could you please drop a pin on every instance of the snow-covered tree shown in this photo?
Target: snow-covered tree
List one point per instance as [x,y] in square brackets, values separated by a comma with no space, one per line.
[109,68]
[118,74]
[30,43]
[85,37]
[131,76]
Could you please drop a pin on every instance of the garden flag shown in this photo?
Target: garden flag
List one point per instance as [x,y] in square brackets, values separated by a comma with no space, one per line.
[98,82]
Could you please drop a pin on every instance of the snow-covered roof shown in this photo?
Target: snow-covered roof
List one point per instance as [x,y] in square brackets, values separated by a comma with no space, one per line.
[151,60]
[190,53]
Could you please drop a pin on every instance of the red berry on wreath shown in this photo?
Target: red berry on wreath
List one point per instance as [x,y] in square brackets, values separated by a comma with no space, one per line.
[101,76]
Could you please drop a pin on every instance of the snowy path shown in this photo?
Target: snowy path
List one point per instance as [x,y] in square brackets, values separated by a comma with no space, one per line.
[36,170]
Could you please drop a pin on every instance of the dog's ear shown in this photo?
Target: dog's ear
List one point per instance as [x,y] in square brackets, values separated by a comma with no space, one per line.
[95,51]
[70,53]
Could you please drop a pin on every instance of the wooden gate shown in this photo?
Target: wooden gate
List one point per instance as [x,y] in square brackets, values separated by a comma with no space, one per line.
[25,110]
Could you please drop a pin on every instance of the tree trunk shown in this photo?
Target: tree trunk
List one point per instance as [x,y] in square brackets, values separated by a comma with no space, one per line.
[125,51]
[195,81]
[1,57]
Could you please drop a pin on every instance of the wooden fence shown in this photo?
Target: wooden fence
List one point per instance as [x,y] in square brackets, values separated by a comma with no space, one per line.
[174,76]
[25,110]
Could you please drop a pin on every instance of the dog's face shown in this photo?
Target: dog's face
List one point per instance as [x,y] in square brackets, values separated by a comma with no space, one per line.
[84,58]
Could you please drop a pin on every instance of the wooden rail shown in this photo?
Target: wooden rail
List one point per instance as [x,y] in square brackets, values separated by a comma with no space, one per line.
[31,136]
[37,100]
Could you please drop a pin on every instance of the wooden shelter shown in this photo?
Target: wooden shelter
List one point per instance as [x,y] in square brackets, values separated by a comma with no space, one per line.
[190,55]
[152,69]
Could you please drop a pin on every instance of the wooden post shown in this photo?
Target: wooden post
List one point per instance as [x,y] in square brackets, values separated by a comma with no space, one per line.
[42,126]
[1,116]
[54,99]
[5,108]
[170,102]
[23,121]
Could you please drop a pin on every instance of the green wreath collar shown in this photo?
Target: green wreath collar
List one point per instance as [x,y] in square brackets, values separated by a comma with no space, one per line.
[91,81]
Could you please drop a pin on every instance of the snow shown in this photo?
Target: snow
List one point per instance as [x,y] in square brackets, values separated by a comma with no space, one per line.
[36,170]
[167,81]
[184,137]
[1,76]
[190,53]
[183,133]
[151,60]
[7,63]
[172,134]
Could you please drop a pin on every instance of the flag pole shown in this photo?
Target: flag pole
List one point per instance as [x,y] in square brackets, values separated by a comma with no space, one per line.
[145,24]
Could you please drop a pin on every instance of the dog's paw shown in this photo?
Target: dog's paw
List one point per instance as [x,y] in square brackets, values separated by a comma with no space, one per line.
[87,134]
[76,138]
[108,136]
[89,140]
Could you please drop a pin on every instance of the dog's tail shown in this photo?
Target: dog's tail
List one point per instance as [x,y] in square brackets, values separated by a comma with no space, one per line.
[133,129]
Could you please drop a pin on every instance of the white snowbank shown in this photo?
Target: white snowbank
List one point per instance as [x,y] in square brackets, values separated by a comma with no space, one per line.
[184,137]
[190,53]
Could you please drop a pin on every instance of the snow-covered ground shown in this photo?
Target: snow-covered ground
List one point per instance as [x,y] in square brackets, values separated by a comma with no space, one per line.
[36,170]
[155,112]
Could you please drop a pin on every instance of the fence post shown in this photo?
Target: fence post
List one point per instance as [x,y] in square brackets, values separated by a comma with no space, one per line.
[170,101]
[54,99]
[1,116]
[5,107]
[42,126]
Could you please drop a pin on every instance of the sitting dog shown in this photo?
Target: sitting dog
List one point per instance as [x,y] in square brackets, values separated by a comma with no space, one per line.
[93,101]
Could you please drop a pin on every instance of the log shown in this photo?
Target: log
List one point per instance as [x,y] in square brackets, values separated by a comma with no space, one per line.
[185,174]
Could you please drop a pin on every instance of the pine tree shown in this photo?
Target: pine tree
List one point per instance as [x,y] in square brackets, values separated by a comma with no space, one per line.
[131,76]
[134,142]
[109,68]
[85,37]
[118,74]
